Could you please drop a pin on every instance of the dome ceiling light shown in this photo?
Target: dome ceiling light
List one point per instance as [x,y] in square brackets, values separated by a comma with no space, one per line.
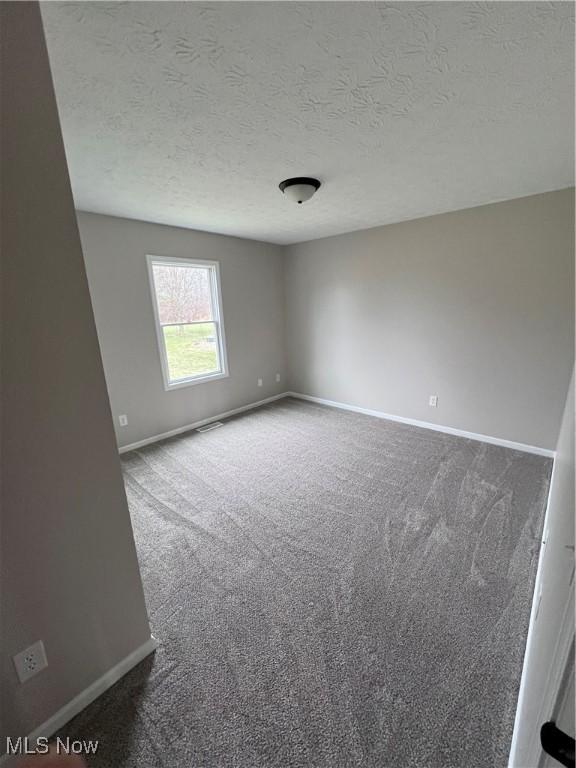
[299,189]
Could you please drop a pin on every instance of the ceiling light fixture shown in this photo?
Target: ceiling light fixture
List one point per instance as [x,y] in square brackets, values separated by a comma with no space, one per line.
[299,189]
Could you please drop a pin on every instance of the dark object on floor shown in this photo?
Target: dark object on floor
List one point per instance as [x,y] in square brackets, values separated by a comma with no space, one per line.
[557,744]
[329,590]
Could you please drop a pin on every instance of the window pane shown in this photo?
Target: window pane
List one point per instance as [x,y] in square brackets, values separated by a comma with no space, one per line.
[183,293]
[191,350]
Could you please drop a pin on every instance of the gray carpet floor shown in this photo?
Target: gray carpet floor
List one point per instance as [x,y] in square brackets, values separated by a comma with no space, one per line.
[330,590]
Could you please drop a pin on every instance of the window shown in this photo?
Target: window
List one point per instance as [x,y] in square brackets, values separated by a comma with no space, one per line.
[187,308]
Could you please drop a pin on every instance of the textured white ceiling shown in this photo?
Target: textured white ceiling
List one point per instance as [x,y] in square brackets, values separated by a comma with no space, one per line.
[192,113]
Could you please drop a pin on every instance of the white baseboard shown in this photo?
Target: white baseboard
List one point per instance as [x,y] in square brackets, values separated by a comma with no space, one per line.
[427,425]
[87,696]
[346,407]
[201,423]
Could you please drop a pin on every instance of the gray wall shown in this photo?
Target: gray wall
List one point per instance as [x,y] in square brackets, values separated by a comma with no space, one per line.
[69,573]
[474,306]
[252,297]
[554,579]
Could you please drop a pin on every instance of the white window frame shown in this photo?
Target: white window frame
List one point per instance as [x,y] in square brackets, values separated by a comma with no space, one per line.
[218,320]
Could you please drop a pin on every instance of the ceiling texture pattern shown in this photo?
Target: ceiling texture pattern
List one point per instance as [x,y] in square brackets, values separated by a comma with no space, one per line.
[190,114]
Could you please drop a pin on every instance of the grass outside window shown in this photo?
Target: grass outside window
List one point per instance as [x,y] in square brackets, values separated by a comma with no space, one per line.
[191,350]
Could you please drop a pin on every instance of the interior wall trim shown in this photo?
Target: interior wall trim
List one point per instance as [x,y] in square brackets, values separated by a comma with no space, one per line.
[528,649]
[196,424]
[84,698]
[427,425]
[558,659]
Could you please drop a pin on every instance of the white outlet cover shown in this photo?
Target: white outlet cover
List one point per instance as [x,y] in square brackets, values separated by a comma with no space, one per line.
[277,377]
[30,661]
[433,400]
[259,382]
[123,419]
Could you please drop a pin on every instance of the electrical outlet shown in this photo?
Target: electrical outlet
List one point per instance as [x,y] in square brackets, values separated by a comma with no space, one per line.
[433,402]
[259,382]
[30,661]
[277,378]
[123,419]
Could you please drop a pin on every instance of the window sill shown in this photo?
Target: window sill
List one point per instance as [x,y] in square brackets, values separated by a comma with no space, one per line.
[194,380]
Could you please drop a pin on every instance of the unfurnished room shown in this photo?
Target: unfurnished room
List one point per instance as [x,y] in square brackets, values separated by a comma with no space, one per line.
[287,435]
